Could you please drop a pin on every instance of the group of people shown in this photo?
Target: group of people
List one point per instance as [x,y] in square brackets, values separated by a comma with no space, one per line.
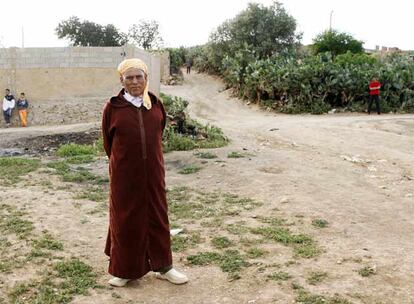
[9,103]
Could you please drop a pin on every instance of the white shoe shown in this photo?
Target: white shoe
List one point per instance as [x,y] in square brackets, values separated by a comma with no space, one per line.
[118,282]
[173,276]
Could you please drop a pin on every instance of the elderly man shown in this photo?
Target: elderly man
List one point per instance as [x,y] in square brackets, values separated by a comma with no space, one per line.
[139,236]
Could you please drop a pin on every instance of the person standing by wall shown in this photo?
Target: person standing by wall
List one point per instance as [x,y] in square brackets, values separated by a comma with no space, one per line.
[374,92]
[8,105]
[22,105]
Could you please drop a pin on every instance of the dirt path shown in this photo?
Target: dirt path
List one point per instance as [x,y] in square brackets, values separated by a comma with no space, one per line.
[354,171]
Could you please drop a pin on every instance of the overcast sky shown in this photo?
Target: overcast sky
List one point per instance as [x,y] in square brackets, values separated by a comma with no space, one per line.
[189,22]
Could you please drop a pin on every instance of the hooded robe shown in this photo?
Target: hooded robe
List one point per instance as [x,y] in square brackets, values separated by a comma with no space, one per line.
[139,237]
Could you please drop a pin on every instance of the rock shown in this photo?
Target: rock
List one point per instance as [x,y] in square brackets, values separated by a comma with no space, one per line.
[11,152]
[284,200]
[274,129]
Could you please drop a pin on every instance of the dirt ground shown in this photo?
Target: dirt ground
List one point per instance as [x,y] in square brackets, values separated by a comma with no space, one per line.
[353,170]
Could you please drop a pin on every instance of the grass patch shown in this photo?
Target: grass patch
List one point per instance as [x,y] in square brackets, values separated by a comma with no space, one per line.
[367,271]
[95,194]
[80,175]
[303,244]
[189,169]
[75,175]
[47,242]
[182,242]
[11,221]
[81,159]
[236,155]
[185,203]
[68,278]
[238,228]
[243,202]
[279,276]
[38,253]
[221,242]
[320,223]
[255,253]
[305,297]
[70,150]
[215,222]
[316,277]
[12,168]
[205,155]
[203,258]
[230,262]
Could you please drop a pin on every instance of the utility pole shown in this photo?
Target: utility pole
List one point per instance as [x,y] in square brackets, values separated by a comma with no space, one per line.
[330,21]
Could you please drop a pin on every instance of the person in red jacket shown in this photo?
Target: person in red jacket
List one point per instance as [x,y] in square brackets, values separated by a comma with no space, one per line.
[374,92]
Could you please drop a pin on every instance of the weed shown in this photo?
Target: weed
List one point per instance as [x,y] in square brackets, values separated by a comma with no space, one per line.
[12,168]
[47,242]
[279,276]
[303,244]
[11,221]
[235,155]
[245,203]
[305,297]
[367,271]
[204,258]
[74,277]
[320,223]
[38,253]
[215,222]
[61,167]
[221,242]
[316,277]
[181,243]
[255,252]
[232,261]
[237,228]
[69,150]
[307,250]
[205,155]
[81,175]
[81,159]
[250,241]
[95,194]
[189,169]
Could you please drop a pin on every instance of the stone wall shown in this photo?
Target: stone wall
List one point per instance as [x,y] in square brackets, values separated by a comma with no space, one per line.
[52,76]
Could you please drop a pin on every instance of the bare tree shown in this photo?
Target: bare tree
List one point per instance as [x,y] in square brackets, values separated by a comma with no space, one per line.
[146,34]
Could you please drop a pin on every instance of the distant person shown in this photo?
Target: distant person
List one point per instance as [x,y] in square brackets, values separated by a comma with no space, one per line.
[22,105]
[374,92]
[8,105]
[139,234]
[189,64]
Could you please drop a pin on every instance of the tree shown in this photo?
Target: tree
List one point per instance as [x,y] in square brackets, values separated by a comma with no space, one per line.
[264,30]
[336,43]
[87,33]
[146,34]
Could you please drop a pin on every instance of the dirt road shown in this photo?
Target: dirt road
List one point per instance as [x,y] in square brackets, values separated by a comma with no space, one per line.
[355,171]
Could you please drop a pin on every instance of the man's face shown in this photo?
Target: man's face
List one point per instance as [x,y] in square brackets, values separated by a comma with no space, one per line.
[134,81]
[7,92]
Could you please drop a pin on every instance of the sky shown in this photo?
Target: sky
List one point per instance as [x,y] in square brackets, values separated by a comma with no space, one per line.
[31,23]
